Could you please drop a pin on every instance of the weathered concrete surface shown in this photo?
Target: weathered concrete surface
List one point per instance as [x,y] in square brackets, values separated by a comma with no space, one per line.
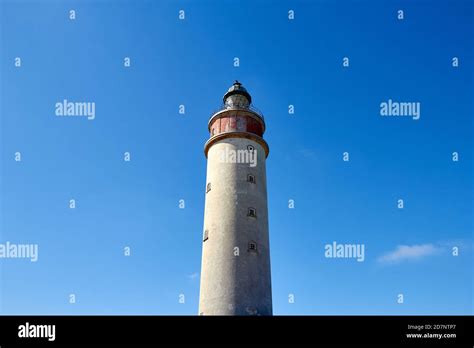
[234,280]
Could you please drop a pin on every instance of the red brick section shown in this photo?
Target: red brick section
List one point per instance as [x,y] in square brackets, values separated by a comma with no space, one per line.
[236,121]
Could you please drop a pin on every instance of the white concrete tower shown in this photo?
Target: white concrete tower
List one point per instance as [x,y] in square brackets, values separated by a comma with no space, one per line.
[235,272]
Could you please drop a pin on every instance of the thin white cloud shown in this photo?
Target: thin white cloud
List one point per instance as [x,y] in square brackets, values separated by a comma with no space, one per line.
[193,276]
[408,252]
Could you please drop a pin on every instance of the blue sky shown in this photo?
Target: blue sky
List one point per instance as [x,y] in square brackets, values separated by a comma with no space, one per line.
[282,62]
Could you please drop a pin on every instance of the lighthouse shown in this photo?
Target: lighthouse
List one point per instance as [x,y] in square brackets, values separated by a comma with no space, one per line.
[235,270]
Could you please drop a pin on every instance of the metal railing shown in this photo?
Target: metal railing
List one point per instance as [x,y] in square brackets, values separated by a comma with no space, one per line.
[239,107]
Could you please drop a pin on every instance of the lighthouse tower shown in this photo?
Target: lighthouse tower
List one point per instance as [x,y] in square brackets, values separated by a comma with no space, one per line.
[235,272]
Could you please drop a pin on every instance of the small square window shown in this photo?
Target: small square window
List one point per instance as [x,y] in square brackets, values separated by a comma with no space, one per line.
[208,187]
[252,246]
[251,178]
[206,235]
[252,212]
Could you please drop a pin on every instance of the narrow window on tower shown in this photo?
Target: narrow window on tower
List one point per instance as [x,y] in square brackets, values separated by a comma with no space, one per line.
[252,212]
[206,235]
[208,187]
[250,148]
[252,246]
[213,131]
[251,178]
